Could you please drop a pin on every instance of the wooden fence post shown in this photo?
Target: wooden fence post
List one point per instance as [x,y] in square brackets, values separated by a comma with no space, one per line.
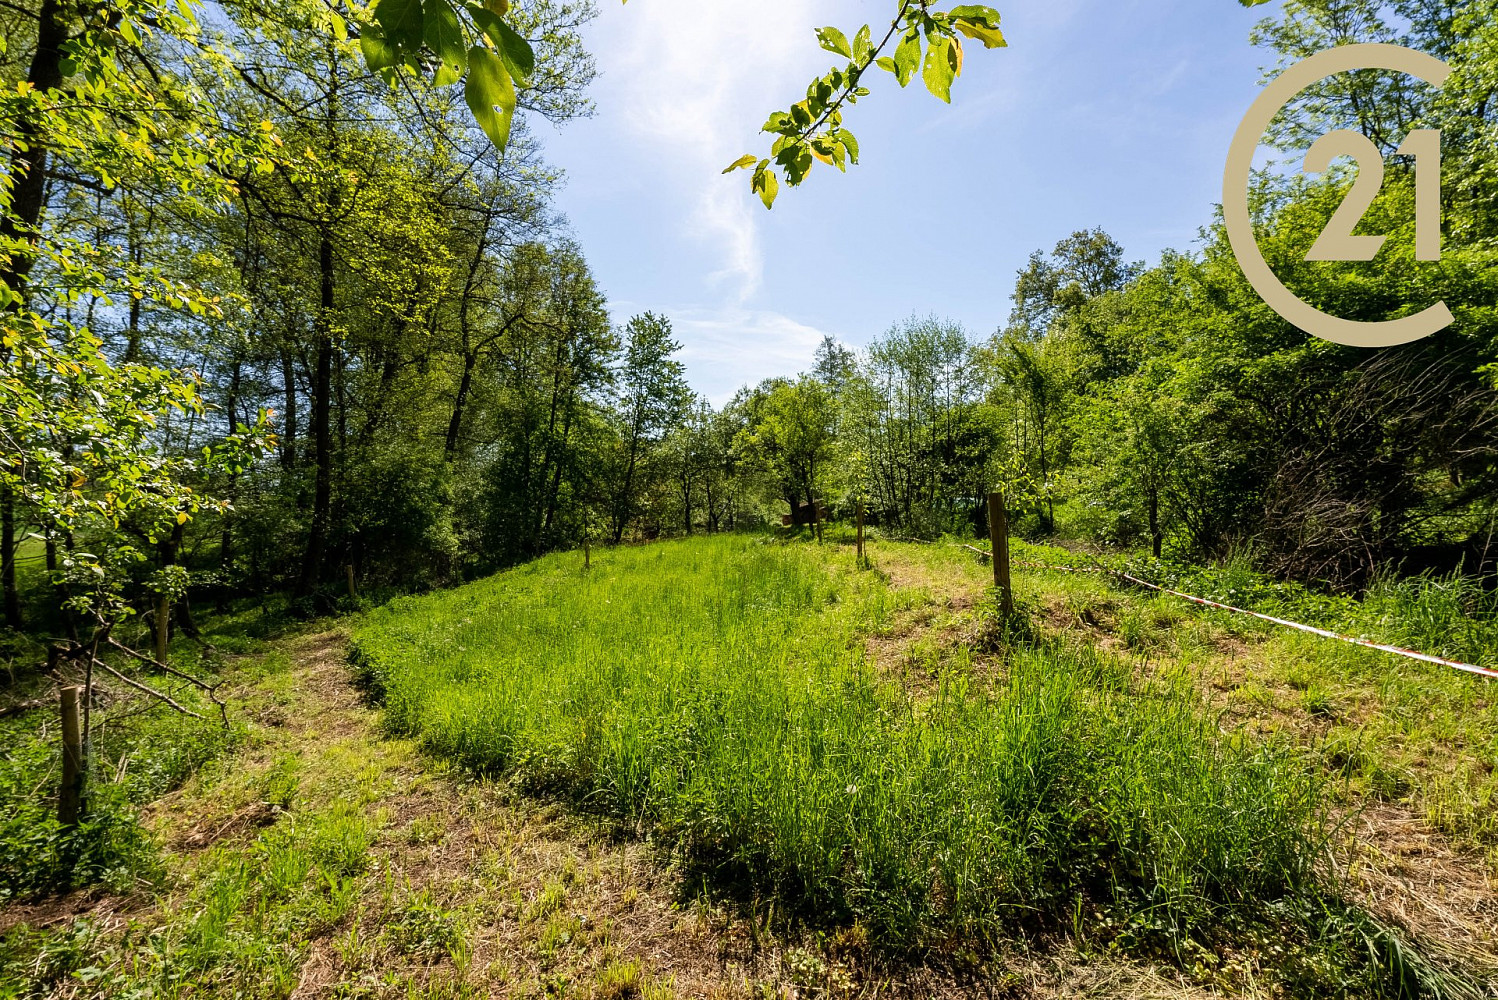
[587,554]
[352,593]
[998,536]
[70,795]
[163,617]
[860,533]
[816,516]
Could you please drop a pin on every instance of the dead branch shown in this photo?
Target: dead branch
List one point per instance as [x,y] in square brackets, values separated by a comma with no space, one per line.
[20,708]
[160,696]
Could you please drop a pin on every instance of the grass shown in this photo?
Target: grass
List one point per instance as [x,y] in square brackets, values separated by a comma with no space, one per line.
[828,771]
[1387,729]
[326,858]
[717,693]
[1454,616]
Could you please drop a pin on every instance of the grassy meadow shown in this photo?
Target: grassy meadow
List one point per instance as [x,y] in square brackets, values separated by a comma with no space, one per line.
[720,695]
[742,767]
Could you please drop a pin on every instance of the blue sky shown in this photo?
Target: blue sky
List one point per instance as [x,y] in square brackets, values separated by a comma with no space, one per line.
[1113,114]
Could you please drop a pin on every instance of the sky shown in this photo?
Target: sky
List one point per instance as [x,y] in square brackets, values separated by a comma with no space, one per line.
[1111,113]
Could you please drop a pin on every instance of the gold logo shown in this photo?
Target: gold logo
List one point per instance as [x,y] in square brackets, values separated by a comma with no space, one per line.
[1338,241]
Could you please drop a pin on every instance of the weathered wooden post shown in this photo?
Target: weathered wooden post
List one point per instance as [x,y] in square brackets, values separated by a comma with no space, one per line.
[353,594]
[70,795]
[587,554]
[860,533]
[816,517]
[163,616]
[998,536]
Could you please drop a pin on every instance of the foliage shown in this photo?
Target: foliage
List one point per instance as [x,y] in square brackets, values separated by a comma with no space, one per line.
[1449,615]
[484,45]
[148,755]
[812,129]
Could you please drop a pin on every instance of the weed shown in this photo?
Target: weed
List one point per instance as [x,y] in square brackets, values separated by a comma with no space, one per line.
[551,899]
[427,829]
[279,785]
[425,929]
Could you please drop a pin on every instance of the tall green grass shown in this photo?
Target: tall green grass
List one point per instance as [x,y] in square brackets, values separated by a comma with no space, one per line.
[1453,615]
[716,692]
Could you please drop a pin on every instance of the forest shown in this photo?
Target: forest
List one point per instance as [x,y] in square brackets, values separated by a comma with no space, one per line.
[409,320]
[292,322]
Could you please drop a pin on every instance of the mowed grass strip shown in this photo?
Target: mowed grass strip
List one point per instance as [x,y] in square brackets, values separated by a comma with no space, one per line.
[715,691]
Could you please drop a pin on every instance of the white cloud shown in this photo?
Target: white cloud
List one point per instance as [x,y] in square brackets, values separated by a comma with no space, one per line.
[730,347]
[691,81]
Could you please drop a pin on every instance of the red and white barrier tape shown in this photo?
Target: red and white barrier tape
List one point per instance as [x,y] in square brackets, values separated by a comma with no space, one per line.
[1324,633]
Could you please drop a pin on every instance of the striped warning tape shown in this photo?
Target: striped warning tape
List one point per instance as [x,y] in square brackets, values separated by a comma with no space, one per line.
[1324,633]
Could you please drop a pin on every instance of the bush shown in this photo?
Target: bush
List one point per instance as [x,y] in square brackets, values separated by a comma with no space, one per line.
[38,854]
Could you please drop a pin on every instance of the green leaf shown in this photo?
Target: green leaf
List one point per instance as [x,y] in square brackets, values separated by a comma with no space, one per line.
[907,57]
[989,35]
[444,36]
[513,49]
[490,93]
[848,142]
[835,41]
[779,122]
[938,72]
[517,52]
[747,160]
[885,62]
[766,185]
[378,53]
[863,45]
[796,160]
[983,15]
[402,21]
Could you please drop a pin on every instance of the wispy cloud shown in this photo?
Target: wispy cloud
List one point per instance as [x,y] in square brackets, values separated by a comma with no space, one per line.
[693,80]
[731,347]
[728,347]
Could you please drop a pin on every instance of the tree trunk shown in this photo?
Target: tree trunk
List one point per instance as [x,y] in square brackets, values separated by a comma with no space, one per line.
[289,430]
[556,472]
[322,386]
[455,424]
[626,500]
[28,159]
[132,343]
[8,558]
[1157,540]
[226,543]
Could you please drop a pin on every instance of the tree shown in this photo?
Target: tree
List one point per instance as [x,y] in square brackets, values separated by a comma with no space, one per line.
[1036,378]
[791,428]
[653,397]
[913,411]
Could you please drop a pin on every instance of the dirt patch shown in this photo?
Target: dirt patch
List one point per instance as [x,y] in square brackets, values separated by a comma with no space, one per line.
[1409,873]
[53,910]
[251,817]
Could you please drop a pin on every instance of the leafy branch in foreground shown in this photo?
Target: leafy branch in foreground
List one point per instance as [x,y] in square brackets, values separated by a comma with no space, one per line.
[471,42]
[812,129]
[474,42]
